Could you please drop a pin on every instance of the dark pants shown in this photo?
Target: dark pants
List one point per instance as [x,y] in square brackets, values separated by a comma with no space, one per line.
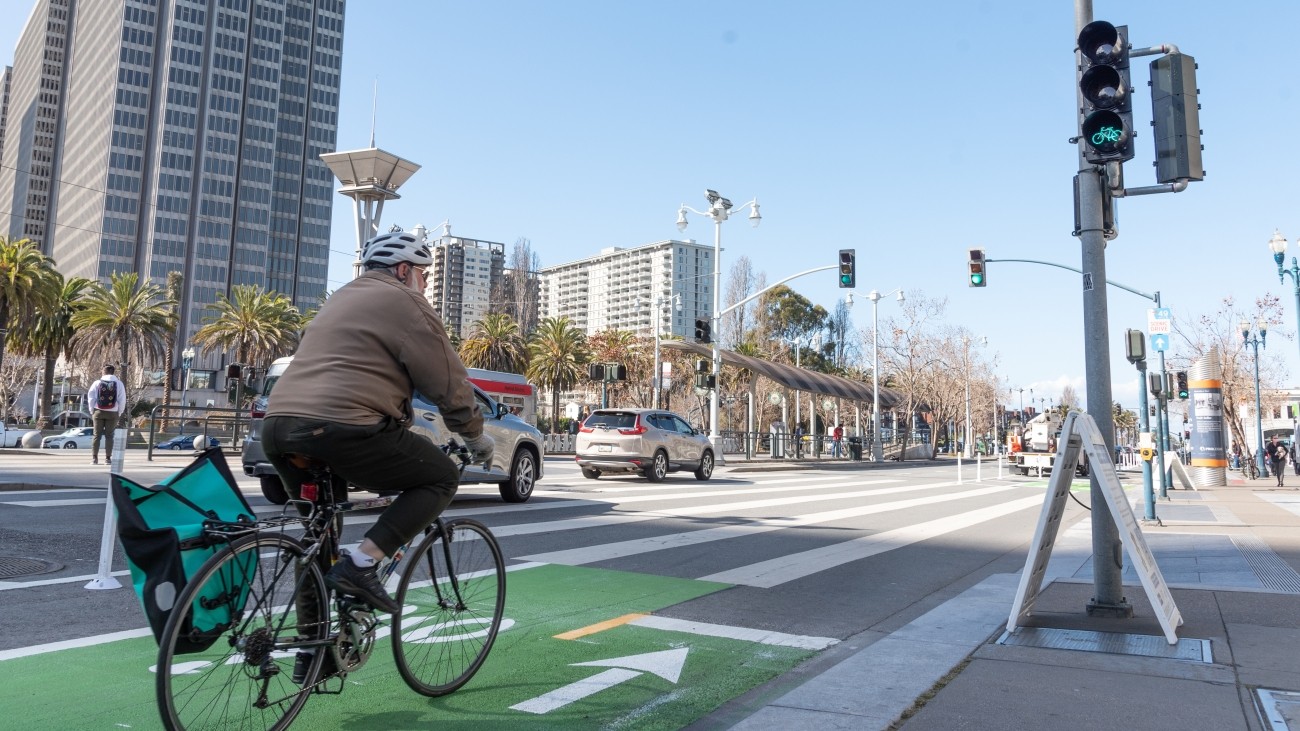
[383,457]
[1279,469]
[105,422]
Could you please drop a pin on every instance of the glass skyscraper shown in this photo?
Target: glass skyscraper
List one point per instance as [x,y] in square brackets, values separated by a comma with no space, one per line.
[176,135]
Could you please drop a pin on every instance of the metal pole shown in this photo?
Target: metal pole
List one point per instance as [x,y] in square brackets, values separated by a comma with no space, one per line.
[715,331]
[656,377]
[968,447]
[877,448]
[1148,493]
[1259,416]
[1107,551]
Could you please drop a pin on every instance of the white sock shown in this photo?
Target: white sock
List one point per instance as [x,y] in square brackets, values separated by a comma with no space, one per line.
[361,560]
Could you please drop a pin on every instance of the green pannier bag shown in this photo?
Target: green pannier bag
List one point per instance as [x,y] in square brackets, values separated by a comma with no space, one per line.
[167,532]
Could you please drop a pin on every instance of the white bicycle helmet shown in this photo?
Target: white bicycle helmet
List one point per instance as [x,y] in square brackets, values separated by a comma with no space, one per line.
[394,248]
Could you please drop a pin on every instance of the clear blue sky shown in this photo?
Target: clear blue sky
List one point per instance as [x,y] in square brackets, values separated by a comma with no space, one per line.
[909,131]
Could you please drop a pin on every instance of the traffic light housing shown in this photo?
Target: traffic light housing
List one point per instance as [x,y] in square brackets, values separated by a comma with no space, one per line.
[1106,115]
[848,269]
[1176,118]
[596,371]
[1181,378]
[978,275]
[702,330]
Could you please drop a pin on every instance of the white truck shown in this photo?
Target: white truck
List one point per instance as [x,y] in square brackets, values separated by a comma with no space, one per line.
[12,436]
[1034,449]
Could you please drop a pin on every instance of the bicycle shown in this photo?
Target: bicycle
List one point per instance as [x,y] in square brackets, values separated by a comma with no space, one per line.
[1252,468]
[226,652]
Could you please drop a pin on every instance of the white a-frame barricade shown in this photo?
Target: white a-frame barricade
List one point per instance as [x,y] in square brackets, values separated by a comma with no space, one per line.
[1080,433]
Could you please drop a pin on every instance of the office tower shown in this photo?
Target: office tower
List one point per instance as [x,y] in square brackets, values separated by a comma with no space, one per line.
[176,135]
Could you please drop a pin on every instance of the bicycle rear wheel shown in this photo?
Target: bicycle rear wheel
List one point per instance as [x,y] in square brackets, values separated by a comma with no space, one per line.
[450,613]
[226,656]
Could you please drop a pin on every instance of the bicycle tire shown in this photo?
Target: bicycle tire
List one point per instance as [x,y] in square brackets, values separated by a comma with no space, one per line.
[439,643]
[251,655]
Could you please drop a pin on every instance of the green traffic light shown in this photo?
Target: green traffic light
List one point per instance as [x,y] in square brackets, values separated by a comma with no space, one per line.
[977,279]
[846,279]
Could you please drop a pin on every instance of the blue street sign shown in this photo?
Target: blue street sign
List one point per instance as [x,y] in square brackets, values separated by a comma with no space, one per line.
[1159,343]
[1162,313]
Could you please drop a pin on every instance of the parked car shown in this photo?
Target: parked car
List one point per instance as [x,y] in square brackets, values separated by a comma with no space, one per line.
[182,442]
[516,461]
[649,441]
[78,437]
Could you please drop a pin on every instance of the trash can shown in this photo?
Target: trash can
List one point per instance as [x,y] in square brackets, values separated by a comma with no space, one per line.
[855,449]
[778,439]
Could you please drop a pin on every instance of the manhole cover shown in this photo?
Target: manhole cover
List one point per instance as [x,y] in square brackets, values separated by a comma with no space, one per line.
[13,566]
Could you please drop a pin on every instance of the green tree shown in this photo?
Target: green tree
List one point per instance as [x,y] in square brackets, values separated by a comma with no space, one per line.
[128,321]
[50,335]
[496,343]
[258,326]
[556,354]
[28,283]
[174,290]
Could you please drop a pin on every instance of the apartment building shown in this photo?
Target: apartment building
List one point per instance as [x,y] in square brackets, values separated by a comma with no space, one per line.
[632,289]
[465,276]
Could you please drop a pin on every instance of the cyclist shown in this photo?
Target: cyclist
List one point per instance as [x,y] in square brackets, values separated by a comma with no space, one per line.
[346,399]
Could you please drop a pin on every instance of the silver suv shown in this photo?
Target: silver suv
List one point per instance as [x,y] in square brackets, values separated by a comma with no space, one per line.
[650,441]
[516,462]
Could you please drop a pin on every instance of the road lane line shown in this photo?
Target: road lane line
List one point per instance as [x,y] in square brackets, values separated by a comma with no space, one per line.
[53,503]
[760,636]
[592,629]
[766,574]
[622,549]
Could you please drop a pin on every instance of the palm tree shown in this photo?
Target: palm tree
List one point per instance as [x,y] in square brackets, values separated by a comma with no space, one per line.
[496,343]
[556,354]
[175,282]
[128,320]
[26,285]
[259,326]
[50,335]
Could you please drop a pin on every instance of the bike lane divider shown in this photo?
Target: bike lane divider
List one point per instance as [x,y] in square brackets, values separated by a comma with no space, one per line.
[591,631]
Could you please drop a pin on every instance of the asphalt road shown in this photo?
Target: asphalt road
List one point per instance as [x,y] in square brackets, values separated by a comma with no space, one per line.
[812,553]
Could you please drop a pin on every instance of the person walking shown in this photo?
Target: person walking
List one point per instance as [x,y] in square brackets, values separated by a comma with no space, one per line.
[1277,458]
[107,399]
[837,440]
[1295,464]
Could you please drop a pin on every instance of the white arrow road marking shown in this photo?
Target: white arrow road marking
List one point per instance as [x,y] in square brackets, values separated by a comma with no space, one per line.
[667,664]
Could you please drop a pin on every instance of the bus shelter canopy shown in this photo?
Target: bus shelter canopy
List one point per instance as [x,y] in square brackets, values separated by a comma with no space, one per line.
[799,379]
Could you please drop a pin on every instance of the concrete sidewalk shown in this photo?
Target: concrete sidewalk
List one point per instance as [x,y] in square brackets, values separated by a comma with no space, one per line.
[1229,555]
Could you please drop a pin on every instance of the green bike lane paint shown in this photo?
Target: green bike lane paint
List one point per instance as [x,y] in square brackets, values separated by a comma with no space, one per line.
[584,649]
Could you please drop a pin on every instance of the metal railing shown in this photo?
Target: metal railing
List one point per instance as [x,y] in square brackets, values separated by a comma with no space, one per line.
[222,422]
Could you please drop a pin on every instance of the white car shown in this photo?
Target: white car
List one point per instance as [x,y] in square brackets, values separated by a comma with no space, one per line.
[78,437]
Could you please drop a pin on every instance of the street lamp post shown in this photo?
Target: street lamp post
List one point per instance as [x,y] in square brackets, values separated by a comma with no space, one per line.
[187,360]
[1258,340]
[720,209]
[660,306]
[877,446]
[1278,245]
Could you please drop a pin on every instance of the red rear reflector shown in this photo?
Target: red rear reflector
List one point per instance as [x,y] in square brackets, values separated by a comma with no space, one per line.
[586,429]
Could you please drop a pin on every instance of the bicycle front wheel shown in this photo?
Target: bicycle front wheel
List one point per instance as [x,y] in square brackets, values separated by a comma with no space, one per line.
[226,656]
[452,594]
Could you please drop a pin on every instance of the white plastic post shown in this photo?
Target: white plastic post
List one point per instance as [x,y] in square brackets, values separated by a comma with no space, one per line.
[108,540]
[979,467]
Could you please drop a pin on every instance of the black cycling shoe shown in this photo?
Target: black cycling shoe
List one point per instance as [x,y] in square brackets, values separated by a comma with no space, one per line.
[349,579]
[302,663]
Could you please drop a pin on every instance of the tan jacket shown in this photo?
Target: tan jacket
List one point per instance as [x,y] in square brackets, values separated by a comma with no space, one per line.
[373,342]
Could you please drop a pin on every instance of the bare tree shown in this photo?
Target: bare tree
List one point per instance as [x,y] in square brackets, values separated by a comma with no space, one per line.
[1222,329]
[740,284]
[909,356]
[1069,400]
[518,292]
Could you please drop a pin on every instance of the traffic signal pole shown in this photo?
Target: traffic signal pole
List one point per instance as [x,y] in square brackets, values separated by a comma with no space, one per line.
[1107,550]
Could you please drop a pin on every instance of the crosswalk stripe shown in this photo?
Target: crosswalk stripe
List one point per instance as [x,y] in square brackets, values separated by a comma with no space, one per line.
[766,574]
[624,518]
[54,503]
[622,549]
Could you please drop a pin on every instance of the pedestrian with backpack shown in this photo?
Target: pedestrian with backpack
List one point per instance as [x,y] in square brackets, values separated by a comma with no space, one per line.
[107,399]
